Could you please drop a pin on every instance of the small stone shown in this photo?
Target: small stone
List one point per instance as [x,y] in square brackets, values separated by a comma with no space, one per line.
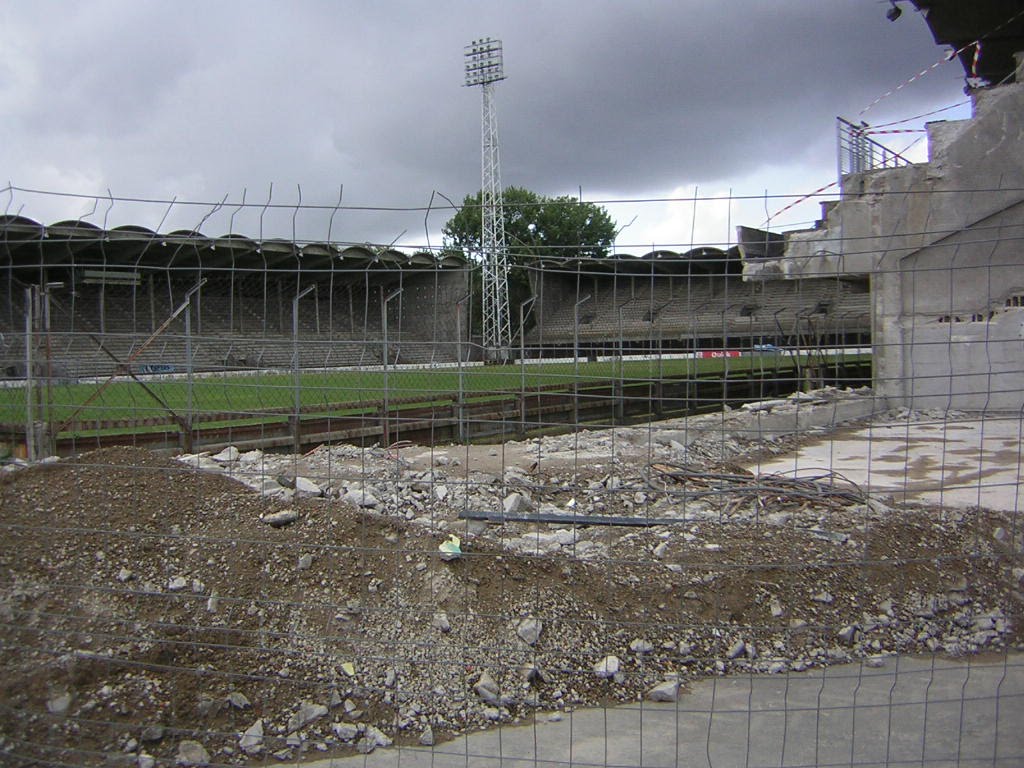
[307,713]
[776,608]
[361,498]
[531,671]
[238,700]
[427,737]
[192,753]
[125,575]
[177,584]
[145,761]
[516,504]
[823,597]
[305,562]
[487,689]
[848,634]
[440,621]
[251,741]
[281,519]
[607,667]
[152,733]
[228,454]
[529,630]
[736,650]
[641,646]
[380,738]
[345,731]
[59,704]
[666,691]
[306,487]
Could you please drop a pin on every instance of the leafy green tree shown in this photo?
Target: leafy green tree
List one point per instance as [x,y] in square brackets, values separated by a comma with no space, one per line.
[536,226]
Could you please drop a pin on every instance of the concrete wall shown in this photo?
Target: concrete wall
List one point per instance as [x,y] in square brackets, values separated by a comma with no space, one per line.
[943,244]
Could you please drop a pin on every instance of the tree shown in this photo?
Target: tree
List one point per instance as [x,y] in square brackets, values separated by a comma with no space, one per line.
[536,226]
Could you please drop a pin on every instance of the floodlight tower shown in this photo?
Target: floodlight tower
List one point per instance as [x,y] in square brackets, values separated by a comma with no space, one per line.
[485,67]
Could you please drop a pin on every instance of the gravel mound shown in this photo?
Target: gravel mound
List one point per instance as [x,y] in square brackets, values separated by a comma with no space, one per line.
[226,608]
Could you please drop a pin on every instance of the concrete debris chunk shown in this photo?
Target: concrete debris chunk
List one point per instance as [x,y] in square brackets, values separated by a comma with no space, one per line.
[607,667]
[666,691]
[487,689]
[251,741]
[306,714]
[641,646]
[281,519]
[345,731]
[306,487]
[529,630]
[191,753]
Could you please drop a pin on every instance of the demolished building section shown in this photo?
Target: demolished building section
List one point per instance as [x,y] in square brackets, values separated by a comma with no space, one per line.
[941,242]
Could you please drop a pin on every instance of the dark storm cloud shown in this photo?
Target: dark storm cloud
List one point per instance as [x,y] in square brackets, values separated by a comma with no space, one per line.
[201,101]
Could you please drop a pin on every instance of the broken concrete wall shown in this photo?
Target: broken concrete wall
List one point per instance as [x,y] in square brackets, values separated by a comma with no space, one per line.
[941,243]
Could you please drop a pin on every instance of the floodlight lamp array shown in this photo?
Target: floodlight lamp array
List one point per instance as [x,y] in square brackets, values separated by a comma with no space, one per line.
[484,63]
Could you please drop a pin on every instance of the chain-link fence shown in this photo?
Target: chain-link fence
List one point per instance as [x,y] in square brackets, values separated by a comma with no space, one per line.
[269,501]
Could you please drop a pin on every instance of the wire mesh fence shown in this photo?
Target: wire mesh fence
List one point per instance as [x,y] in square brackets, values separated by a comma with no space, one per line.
[269,501]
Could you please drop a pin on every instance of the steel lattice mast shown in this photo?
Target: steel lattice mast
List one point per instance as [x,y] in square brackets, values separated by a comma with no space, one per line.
[485,67]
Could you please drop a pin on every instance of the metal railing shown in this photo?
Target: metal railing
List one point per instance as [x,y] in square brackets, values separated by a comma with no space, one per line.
[858,152]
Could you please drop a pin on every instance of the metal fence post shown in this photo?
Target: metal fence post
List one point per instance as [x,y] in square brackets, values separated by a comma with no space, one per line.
[385,421]
[296,375]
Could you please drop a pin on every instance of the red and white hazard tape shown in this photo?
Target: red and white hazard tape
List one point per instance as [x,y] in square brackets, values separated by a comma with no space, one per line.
[796,202]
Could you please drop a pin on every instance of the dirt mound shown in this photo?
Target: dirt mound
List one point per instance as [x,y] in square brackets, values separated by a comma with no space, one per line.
[147,603]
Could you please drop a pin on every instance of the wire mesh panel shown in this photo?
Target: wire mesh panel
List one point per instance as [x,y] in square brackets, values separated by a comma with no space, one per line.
[267,501]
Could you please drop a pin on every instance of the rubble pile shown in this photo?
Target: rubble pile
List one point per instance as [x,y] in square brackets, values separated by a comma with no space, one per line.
[240,605]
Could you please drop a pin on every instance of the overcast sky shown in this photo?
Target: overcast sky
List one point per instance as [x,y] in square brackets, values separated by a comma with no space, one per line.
[364,102]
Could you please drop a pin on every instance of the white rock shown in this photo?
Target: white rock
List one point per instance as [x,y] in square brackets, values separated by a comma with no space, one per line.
[516,504]
[306,487]
[251,741]
[345,731]
[641,646]
[440,621]
[378,736]
[848,634]
[487,689]
[736,650]
[192,753]
[228,454]
[607,667]
[427,737]
[282,518]
[361,498]
[529,630]
[307,713]
[59,704]
[666,691]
